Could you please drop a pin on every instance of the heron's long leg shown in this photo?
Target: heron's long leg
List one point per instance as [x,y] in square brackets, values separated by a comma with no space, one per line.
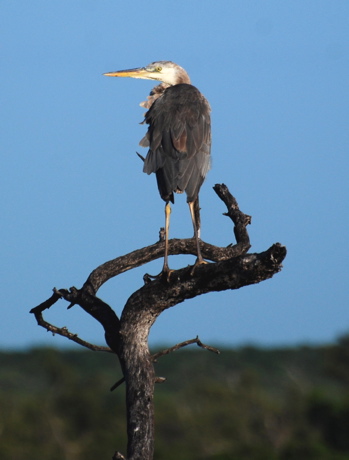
[194,210]
[165,272]
[196,207]
[165,268]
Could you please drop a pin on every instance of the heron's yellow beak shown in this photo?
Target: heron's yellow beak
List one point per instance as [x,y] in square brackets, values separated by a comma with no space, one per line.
[141,72]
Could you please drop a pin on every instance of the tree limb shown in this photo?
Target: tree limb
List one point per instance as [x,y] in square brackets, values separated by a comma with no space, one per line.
[231,268]
[63,331]
[145,255]
[158,355]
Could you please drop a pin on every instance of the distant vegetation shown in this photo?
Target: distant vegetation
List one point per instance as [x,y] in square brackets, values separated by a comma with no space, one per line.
[245,404]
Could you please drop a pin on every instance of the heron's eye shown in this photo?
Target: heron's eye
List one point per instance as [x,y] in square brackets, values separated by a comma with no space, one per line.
[158,69]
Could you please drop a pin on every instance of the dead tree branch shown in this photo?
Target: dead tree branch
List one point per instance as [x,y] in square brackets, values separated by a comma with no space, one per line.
[231,268]
[158,355]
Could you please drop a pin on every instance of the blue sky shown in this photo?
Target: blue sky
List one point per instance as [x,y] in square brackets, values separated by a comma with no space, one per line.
[73,194]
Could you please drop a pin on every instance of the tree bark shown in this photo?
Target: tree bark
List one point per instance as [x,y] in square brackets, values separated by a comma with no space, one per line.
[127,336]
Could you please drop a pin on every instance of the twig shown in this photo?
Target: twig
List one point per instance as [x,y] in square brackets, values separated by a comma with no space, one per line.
[117,384]
[118,456]
[184,344]
[63,331]
[47,303]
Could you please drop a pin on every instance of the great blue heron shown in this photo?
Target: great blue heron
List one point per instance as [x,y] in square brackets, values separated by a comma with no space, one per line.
[178,137]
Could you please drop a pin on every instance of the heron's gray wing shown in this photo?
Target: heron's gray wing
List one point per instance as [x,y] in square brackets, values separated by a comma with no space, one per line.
[179,138]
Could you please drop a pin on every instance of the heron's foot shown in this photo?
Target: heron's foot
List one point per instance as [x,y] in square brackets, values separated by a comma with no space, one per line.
[199,261]
[166,273]
[163,275]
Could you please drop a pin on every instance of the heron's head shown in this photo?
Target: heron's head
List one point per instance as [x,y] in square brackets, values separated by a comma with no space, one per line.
[165,71]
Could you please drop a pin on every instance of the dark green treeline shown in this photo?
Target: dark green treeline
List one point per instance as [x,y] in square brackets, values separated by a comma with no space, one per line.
[249,403]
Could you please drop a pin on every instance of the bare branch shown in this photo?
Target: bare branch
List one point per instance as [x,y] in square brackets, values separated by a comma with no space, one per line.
[118,456]
[207,347]
[240,219]
[228,274]
[98,309]
[158,355]
[117,384]
[47,303]
[63,331]
[142,256]
[127,336]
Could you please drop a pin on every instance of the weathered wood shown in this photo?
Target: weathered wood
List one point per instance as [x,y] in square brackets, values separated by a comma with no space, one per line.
[230,268]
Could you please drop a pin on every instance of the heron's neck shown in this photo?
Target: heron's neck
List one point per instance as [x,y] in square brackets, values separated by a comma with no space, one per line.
[183,77]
